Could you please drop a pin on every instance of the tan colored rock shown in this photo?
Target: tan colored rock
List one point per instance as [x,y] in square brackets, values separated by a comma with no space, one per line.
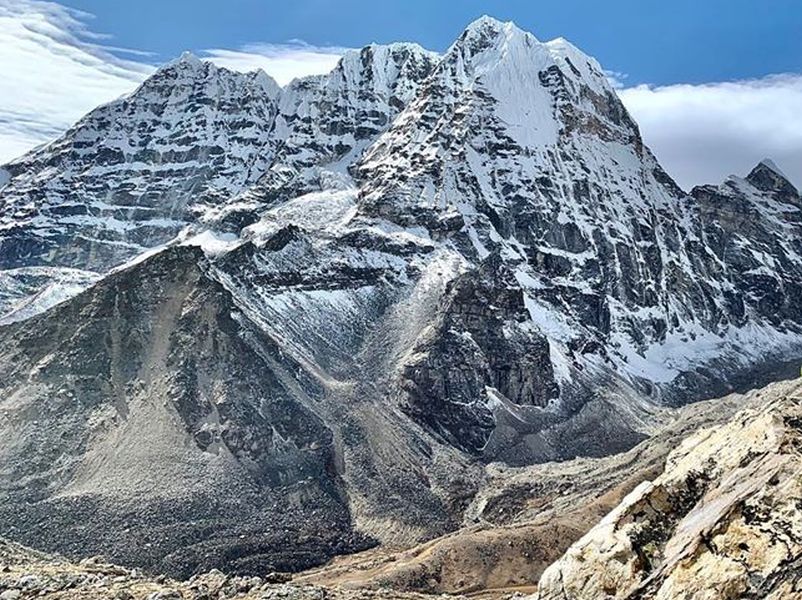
[723,521]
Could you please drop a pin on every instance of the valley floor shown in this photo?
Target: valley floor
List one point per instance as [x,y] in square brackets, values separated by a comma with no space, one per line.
[25,573]
[699,478]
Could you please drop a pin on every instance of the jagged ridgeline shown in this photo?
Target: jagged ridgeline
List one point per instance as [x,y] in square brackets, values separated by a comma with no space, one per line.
[311,315]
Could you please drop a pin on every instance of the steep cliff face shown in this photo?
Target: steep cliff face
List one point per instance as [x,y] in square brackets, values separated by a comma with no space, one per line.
[751,229]
[329,120]
[521,149]
[426,263]
[185,146]
[131,174]
[722,521]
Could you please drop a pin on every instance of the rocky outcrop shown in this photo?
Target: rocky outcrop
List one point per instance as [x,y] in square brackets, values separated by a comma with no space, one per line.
[471,357]
[131,174]
[740,223]
[25,573]
[722,521]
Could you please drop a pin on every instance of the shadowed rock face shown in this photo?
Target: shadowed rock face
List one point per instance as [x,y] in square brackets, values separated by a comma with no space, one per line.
[741,223]
[411,267]
[146,419]
[467,361]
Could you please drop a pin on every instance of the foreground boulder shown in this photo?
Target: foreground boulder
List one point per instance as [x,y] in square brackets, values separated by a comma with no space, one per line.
[724,520]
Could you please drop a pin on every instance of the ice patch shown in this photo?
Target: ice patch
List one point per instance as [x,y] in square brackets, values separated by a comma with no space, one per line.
[559,362]
[552,324]
[317,211]
[686,349]
[63,284]
[213,243]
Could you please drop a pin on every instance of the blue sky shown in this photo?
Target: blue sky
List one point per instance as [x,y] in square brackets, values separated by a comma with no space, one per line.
[715,85]
[658,42]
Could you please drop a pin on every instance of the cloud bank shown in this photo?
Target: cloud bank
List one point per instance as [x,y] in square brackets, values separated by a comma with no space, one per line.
[283,62]
[702,133]
[54,69]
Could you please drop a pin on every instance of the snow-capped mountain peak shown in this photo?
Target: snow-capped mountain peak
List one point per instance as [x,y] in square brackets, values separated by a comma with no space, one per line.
[488,40]
[380,270]
[188,59]
[580,65]
[488,43]
[487,31]
[388,73]
[188,70]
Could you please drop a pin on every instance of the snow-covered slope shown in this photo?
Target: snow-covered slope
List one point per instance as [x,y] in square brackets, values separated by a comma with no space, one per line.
[132,173]
[188,147]
[521,150]
[327,121]
[441,258]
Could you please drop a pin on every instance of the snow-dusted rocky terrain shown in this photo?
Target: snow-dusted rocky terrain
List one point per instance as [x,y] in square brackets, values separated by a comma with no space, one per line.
[313,313]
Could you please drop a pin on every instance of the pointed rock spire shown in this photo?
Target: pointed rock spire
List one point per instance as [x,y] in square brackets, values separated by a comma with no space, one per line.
[486,32]
[189,60]
[768,177]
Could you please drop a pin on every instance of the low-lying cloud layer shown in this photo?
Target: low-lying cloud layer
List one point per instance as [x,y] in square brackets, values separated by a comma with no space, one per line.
[702,133]
[284,62]
[54,69]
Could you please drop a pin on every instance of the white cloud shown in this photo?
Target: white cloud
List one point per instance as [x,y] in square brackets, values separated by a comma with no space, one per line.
[702,133]
[52,71]
[616,79]
[283,62]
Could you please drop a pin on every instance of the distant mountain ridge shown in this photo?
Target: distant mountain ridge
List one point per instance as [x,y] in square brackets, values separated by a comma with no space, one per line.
[346,296]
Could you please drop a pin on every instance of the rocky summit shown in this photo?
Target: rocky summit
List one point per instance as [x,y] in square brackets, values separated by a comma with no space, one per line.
[253,327]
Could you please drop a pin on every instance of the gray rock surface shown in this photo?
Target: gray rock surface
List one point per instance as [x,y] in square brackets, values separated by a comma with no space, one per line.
[147,419]
[30,574]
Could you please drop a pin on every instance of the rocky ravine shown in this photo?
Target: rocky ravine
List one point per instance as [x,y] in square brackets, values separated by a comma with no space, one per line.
[313,315]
